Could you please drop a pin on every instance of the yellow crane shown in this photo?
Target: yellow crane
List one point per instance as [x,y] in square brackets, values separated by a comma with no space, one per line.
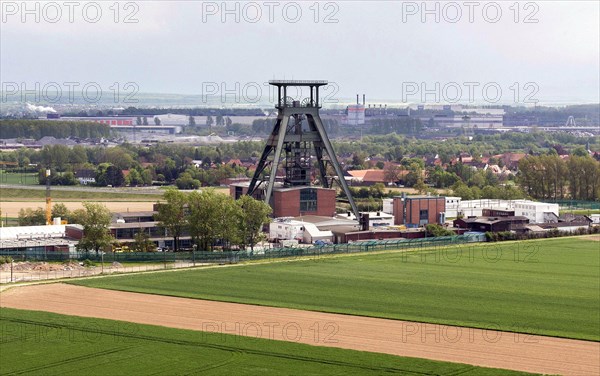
[48,199]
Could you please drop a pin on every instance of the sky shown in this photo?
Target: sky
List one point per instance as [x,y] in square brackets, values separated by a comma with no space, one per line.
[419,52]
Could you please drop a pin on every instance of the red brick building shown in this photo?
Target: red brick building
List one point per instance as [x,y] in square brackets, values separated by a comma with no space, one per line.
[295,201]
[414,211]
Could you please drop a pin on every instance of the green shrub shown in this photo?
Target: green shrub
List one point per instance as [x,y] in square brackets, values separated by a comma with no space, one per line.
[88,263]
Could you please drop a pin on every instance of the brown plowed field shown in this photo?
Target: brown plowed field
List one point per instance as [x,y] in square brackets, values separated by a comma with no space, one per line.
[486,348]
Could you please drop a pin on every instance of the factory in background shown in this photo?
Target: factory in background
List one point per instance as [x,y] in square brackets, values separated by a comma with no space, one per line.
[355,113]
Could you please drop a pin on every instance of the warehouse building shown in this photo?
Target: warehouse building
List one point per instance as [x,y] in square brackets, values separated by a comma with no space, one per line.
[493,224]
[416,211]
[30,241]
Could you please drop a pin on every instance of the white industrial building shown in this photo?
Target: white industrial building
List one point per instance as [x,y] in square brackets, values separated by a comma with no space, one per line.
[452,206]
[376,219]
[291,229]
[474,208]
[48,238]
[355,115]
[388,205]
[536,212]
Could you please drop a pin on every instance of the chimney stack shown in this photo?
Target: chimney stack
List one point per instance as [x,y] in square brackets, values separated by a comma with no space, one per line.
[364,101]
[357,102]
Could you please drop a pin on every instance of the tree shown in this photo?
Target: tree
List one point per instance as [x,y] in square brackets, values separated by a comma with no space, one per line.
[209,121]
[580,152]
[191,121]
[60,210]
[433,229]
[138,121]
[147,177]
[220,121]
[135,178]
[253,215]
[142,242]
[145,121]
[185,181]
[156,120]
[392,173]
[203,223]
[95,219]
[30,217]
[109,175]
[172,214]
[55,156]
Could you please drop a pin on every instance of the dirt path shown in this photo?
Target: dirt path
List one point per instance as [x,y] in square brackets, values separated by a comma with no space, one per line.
[592,237]
[446,343]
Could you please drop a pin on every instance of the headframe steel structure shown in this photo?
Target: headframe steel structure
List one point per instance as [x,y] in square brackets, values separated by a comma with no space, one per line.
[290,138]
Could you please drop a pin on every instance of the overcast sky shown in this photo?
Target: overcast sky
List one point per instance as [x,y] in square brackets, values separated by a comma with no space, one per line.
[382,49]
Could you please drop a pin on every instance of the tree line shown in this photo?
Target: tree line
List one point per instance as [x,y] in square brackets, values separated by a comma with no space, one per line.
[37,129]
[551,177]
[212,219]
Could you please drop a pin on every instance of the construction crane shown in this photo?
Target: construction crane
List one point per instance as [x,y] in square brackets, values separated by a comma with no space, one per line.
[48,199]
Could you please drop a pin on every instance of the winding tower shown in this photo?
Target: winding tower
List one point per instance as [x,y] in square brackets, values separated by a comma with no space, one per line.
[298,133]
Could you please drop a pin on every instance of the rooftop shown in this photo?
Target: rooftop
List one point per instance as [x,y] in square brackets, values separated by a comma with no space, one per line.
[298,82]
[32,232]
[495,219]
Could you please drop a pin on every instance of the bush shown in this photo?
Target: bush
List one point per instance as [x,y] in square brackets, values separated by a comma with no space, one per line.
[5,260]
[554,233]
[88,263]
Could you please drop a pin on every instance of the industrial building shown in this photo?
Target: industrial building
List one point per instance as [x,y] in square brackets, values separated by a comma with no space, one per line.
[127,124]
[416,211]
[291,229]
[355,113]
[126,225]
[452,206]
[536,212]
[493,224]
[295,201]
[376,219]
[30,240]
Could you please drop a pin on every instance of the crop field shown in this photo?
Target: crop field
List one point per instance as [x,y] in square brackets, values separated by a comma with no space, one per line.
[545,287]
[40,343]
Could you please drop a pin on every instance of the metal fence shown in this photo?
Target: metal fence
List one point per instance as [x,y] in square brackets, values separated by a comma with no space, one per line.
[36,254]
[18,275]
[107,263]
[577,205]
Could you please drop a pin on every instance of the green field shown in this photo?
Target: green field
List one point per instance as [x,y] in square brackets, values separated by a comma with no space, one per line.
[40,343]
[27,178]
[548,287]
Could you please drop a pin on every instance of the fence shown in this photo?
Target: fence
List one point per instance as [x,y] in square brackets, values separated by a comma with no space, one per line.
[577,205]
[229,257]
[38,274]
[109,263]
